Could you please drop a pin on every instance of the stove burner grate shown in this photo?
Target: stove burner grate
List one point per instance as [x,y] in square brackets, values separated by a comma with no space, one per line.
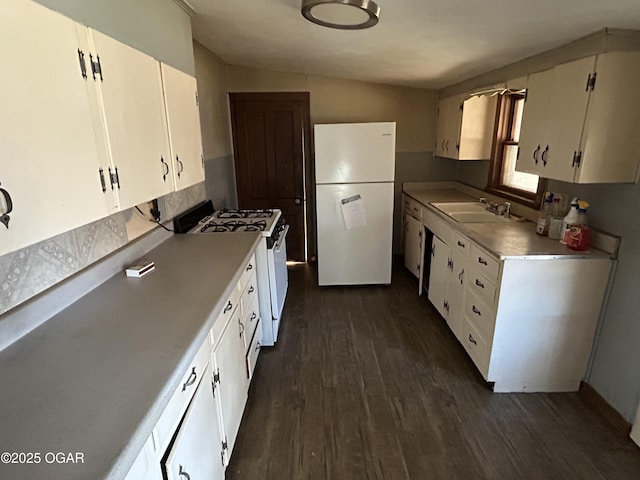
[242,213]
[235,226]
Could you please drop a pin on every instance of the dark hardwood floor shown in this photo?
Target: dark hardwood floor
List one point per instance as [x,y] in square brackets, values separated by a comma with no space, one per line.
[369,383]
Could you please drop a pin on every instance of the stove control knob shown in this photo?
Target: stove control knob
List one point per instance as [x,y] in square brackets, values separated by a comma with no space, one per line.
[297,201]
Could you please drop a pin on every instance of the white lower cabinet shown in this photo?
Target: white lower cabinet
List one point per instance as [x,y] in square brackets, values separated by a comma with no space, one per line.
[528,323]
[197,430]
[192,454]
[413,245]
[146,465]
[230,382]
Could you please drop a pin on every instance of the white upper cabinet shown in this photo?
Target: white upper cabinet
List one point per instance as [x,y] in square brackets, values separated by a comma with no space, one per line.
[580,119]
[183,120]
[51,152]
[130,88]
[465,127]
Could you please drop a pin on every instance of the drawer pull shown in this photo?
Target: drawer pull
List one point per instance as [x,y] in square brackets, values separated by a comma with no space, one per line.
[475,310]
[253,316]
[249,267]
[460,244]
[241,328]
[461,276]
[479,283]
[251,289]
[183,473]
[228,307]
[482,261]
[191,380]
[472,340]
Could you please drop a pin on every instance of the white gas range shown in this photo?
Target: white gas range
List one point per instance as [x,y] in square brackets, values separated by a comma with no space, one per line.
[271,253]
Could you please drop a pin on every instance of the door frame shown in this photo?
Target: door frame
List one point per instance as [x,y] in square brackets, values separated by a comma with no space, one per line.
[307,154]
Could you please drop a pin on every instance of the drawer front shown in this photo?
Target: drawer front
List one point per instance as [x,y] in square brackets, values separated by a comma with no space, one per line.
[166,426]
[481,286]
[439,227]
[461,244]
[482,315]
[249,271]
[254,351]
[484,263]
[223,317]
[415,209]
[251,319]
[476,346]
[249,293]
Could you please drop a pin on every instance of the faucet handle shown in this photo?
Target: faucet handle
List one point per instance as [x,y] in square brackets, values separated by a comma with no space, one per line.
[507,209]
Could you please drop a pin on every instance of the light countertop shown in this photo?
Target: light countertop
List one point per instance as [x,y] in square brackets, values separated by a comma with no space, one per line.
[509,240]
[95,378]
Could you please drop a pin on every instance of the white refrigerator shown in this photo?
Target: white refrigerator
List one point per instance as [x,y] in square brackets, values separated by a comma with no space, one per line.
[354,169]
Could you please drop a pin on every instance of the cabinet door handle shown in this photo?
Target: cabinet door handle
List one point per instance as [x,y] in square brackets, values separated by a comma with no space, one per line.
[228,307]
[258,346]
[251,289]
[6,206]
[102,180]
[479,283]
[535,154]
[476,311]
[241,328]
[191,380]
[544,156]
[460,244]
[249,267]
[165,168]
[482,261]
[180,164]
[253,316]
[183,473]
[461,276]
[472,340]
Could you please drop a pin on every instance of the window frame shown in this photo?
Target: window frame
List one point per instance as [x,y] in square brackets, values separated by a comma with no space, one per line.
[502,137]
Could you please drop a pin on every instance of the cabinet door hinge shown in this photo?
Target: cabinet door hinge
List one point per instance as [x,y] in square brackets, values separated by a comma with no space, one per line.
[526,94]
[216,377]
[202,159]
[96,67]
[225,445]
[518,153]
[83,64]
[577,158]
[197,100]
[213,388]
[591,82]
[114,178]
[461,106]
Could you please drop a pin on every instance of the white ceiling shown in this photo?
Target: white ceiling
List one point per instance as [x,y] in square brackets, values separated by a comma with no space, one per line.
[418,43]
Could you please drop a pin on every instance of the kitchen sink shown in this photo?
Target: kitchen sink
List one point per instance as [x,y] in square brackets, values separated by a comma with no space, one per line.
[472,212]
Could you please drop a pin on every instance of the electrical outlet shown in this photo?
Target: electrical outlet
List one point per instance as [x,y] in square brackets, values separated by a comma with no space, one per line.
[154,210]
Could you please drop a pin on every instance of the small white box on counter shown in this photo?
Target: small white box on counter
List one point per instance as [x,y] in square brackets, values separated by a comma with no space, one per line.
[140,269]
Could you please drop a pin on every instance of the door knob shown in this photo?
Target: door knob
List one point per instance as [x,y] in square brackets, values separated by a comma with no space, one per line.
[297,201]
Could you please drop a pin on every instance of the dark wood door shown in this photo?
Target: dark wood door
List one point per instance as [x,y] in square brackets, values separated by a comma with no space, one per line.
[271,135]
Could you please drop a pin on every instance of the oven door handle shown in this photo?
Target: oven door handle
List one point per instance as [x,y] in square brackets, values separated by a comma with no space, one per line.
[280,241]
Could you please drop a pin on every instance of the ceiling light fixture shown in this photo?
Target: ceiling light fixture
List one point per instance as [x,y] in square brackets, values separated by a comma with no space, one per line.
[341,14]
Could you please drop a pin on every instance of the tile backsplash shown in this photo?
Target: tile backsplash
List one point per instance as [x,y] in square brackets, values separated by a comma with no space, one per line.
[33,269]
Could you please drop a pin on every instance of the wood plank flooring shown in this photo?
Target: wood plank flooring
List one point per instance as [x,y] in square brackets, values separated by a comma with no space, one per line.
[369,383]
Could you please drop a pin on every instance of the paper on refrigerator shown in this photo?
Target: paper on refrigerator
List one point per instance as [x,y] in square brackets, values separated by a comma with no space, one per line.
[353,212]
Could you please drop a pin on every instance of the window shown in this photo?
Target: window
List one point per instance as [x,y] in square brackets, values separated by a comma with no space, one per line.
[524,188]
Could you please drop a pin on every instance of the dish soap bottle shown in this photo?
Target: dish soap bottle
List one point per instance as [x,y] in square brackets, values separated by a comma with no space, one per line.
[555,222]
[544,217]
[579,234]
[569,220]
